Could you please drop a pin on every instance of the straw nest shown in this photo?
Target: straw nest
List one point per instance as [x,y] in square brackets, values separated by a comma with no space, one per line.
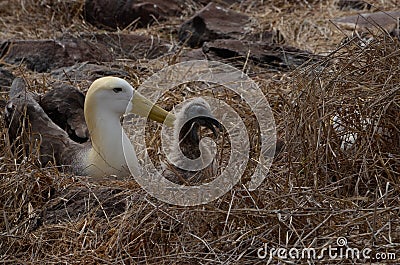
[337,175]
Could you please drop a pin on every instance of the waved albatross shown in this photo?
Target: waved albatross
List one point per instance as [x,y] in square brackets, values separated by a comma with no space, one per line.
[106,101]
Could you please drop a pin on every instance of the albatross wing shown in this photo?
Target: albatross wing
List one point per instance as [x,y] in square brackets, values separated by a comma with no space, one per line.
[64,106]
[29,125]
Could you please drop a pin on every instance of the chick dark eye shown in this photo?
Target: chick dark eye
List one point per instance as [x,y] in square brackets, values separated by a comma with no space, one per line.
[117,89]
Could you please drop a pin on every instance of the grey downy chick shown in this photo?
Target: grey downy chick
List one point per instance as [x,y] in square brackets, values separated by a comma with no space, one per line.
[188,125]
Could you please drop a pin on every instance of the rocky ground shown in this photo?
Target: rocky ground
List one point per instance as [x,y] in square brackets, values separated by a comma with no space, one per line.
[329,74]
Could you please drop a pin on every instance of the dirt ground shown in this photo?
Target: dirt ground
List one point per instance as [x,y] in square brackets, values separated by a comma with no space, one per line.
[319,191]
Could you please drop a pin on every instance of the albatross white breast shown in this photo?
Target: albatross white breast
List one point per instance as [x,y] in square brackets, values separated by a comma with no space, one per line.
[108,98]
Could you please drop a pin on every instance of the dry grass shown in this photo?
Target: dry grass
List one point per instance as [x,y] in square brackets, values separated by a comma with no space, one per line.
[352,96]
[318,189]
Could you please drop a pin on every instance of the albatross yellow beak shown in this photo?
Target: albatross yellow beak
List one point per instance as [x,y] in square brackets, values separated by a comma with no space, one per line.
[145,108]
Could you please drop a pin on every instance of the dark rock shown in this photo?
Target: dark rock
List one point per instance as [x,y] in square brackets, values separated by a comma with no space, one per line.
[273,55]
[131,46]
[81,72]
[43,55]
[353,4]
[192,54]
[213,22]
[386,20]
[114,14]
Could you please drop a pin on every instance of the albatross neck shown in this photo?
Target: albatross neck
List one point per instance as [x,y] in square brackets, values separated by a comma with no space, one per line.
[105,130]
[106,156]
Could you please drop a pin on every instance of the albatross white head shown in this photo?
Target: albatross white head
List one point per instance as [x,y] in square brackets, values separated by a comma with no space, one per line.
[107,99]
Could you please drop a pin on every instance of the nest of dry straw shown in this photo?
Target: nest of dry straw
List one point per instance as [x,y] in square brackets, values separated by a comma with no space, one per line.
[345,115]
[318,189]
[338,176]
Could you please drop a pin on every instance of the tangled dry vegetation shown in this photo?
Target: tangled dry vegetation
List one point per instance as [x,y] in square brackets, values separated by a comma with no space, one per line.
[337,175]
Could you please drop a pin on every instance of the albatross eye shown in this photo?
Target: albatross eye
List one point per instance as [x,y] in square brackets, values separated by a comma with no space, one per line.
[117,89]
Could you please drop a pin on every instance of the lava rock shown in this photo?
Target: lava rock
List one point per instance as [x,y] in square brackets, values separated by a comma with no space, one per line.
[211,23]
[386,20]
[192,54]
[44,55]
[119,14]
[273,55]
[131,46]
[86,72]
